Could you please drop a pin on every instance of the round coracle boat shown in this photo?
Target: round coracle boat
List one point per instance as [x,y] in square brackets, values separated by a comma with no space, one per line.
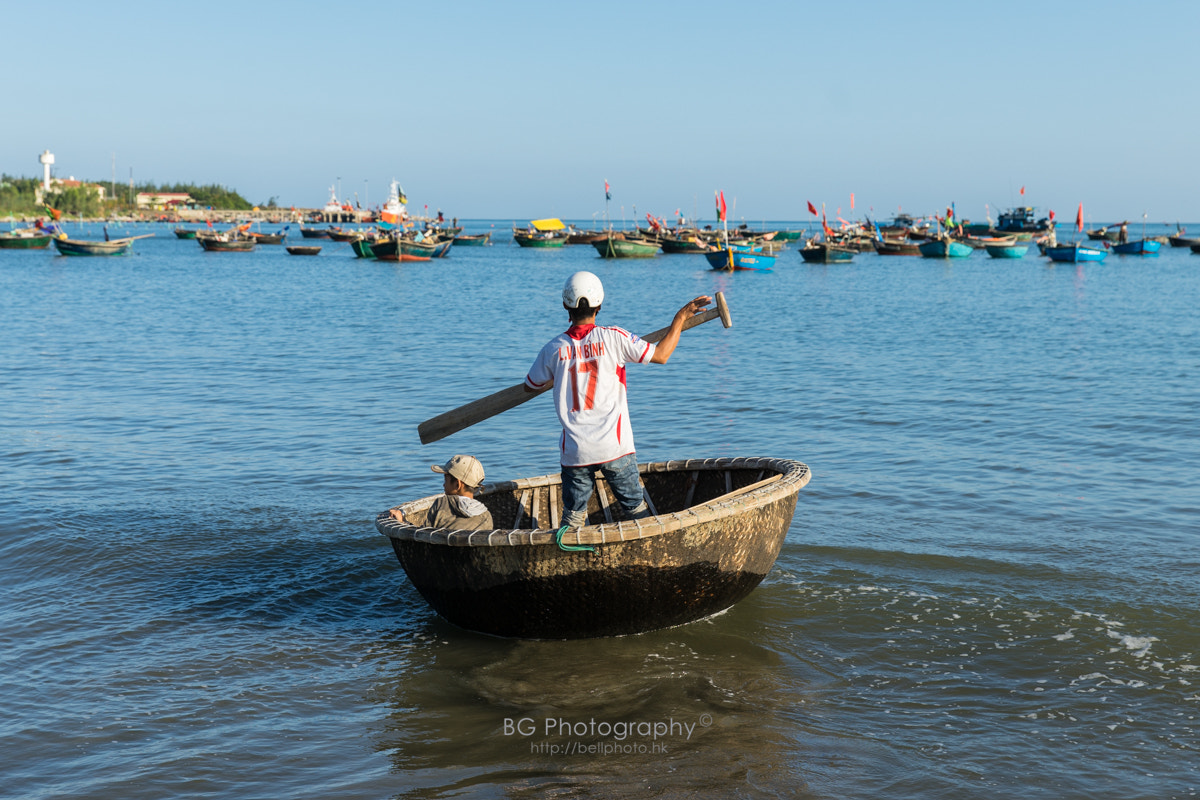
[716,530]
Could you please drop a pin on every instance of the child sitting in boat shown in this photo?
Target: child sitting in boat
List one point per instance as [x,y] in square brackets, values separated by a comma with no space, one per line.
[457,508]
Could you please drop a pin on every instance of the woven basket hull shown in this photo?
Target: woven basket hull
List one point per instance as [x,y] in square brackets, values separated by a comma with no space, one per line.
[707,549]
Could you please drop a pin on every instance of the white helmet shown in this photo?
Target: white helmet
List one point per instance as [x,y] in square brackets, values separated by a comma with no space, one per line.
[583,286]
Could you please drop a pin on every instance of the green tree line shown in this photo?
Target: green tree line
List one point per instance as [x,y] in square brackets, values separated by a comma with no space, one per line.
[210,195]
[18,196]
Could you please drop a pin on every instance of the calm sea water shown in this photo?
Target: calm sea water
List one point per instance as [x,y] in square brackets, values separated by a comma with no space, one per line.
[990,587]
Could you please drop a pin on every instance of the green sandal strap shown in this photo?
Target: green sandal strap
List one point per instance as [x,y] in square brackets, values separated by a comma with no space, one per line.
[570,548]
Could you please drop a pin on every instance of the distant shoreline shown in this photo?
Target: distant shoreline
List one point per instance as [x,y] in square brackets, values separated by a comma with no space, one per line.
[221,216]
[304,216]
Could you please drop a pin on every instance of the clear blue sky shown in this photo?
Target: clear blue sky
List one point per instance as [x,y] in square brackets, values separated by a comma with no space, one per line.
[524,109]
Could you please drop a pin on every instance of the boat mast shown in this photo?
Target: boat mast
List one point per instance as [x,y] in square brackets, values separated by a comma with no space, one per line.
[725,224]
[607,198]
[723,218]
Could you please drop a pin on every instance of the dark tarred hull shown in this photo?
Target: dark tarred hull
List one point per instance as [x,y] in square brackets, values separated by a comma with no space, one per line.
[401,250]
[77,247]
[674,245]
[268,238]
[586,237]
[473,240]
[223,246]
[698,561]
[821,253]
[889,248]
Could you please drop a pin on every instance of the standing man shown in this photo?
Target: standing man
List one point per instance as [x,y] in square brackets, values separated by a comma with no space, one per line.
[586,364]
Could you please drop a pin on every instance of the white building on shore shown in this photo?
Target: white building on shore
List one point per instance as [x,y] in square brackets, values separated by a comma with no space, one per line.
[162,201]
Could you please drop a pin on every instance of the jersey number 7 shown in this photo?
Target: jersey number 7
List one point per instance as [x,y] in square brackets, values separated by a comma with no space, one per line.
[584,372]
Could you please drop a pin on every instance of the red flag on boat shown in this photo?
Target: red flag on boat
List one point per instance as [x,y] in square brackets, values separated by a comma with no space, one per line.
[607,193]
[852,201]
[811,208]
[1022,191]
[721,209]
[1052,215]
[1079,219]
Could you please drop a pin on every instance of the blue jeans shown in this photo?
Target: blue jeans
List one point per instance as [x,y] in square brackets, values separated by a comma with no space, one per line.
[622,476]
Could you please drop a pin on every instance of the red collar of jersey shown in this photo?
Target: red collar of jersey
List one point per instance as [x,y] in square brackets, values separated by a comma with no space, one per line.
[577,332]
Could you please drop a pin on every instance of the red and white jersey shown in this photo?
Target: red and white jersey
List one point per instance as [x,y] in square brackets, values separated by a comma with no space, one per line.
[587,366]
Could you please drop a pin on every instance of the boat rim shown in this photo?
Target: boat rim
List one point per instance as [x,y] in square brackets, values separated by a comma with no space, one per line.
[790,477]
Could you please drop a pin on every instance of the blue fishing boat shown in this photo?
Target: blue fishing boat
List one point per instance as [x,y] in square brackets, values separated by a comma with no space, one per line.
[945,248]
[734,257]
[1141,247]
[1074,252]
[726,258]
[1006,250]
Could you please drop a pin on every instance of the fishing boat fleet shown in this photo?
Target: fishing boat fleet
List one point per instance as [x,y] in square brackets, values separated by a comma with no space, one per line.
[397,237]
[744,248]
[943,237]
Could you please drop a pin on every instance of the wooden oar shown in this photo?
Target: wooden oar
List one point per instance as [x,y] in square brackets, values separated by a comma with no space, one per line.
[455,420]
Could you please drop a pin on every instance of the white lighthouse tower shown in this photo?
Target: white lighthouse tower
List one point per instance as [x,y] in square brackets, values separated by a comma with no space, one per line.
[46,159]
